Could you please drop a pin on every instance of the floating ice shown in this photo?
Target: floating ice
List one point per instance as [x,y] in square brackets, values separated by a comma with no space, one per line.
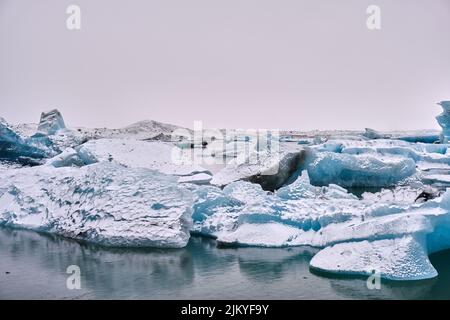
[104,203]
[403,258]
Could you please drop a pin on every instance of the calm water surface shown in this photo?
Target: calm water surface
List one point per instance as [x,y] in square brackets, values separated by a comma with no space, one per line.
[33,266]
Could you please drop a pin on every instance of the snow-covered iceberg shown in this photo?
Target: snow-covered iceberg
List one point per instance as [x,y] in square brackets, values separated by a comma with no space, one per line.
[104,203]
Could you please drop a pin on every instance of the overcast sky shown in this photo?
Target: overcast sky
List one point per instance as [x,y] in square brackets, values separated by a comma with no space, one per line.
[293,64]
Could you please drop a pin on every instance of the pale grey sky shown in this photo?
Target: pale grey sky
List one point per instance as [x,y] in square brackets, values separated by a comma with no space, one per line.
[293,64]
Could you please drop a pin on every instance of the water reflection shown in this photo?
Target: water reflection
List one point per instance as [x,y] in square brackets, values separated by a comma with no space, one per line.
[33,266]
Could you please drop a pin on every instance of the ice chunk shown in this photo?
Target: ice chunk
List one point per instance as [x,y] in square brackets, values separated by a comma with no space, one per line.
[372,134]
[155,155]
[399,195]
[104,203]
[15,148]
[358,170]
[424,136]
[437,179]
[300,214]
[383,230]
[444,121]
[214,211]
[199,178]
[142,130]
[67,158]
[269,171]
[402,258]
[420,138]
[51,122]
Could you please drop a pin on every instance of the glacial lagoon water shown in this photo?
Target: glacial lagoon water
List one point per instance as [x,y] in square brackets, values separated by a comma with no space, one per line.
[33,266]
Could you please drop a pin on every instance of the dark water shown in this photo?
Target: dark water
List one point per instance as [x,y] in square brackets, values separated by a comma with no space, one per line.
[33,266]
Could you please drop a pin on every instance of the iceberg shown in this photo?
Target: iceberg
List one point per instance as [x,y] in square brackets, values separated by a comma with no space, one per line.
[444,121]
[104,203]
[51,122]
[348,170]
[155,155]
[124,187]
[271,171]
[423,136]
[67,158]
